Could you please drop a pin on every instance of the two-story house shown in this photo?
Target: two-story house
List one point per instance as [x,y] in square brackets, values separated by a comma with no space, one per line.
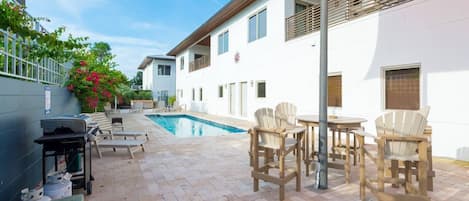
[159,76]
[383,55]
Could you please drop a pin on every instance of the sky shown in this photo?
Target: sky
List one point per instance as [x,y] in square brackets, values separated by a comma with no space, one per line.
[133,28]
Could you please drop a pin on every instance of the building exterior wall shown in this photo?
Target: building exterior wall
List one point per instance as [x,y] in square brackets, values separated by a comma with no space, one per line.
[164,82]
[147,78]
[21,109]
[156,83]
[407,35]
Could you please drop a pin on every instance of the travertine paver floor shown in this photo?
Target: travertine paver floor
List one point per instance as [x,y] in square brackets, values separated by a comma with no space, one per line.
[217,168]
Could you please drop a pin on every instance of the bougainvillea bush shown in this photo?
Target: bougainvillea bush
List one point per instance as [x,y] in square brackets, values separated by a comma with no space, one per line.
[93,79]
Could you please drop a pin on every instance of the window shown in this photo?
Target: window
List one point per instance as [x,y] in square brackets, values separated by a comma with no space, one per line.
[261,89]
[164,70]
[193,94]
[334,91]
[200,94]
[223,42]
[402,89]
[181,63]
[299,7]
[196,56]
[258,25]
[220,91]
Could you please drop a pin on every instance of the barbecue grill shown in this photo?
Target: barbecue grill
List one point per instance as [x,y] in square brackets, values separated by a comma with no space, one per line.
[68,136]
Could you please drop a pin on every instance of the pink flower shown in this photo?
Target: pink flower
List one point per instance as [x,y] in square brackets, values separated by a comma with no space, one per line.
[70,87]
[83,63]
[95,89]
[107,94]
[92,101]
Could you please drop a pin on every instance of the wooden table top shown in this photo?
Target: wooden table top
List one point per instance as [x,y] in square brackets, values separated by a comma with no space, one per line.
[338,120]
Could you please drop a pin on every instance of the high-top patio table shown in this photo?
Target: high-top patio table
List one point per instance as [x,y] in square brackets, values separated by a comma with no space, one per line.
[338,124]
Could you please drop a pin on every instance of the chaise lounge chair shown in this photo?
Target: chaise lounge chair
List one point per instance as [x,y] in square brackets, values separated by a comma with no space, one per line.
[106,125]
[131,145]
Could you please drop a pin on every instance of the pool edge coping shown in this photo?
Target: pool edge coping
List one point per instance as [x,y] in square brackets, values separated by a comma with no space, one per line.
[196,116]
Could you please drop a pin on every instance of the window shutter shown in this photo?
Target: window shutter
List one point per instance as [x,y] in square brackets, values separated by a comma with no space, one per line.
[334,91]
[403,89]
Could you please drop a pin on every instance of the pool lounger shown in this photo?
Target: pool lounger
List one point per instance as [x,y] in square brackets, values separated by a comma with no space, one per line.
[134,134]
[131,145]
[106,125]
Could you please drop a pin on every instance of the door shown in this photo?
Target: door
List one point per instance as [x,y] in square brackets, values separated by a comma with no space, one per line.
[163,96]
[232,99]
[243,99]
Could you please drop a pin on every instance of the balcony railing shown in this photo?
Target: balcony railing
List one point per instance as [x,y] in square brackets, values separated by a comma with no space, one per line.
[14,62]
[340,11]
[199,63]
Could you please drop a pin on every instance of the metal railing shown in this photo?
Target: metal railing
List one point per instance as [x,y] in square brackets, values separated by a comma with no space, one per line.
[340,11]
[199,63]
[15,62]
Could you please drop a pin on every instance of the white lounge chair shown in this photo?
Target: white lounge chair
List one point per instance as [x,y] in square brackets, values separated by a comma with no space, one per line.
[131,145]
[160,107]
[176,107]
[106,125]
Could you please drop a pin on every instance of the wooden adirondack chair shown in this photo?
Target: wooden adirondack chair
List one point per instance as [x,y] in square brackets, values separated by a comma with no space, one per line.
[272,138]
[399,138]
[397,168]
[285,115]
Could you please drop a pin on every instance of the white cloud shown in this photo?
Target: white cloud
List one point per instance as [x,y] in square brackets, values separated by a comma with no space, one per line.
[119,40]
[130,57]
[148,26]
[75,8]
[129,51]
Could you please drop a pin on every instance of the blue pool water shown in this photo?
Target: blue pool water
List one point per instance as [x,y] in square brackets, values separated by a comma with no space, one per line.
[190,126]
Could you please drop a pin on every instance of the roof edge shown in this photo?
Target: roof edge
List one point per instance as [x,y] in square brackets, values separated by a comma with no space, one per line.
[220,17]
[149,59]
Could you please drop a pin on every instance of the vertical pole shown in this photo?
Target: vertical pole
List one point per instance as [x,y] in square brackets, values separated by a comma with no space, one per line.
[37,71]
[321,175]
[115,103]
[13,54]
[5,45]
[20,56]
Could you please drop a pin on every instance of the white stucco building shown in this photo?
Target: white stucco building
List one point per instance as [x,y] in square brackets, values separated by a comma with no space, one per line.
[388,54]
[159,75]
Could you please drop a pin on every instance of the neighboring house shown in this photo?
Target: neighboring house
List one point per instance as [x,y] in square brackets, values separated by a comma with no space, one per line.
[159,75]
[383,55]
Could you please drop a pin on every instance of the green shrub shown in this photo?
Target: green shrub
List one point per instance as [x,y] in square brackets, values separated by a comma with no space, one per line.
[171,100]
[143,95]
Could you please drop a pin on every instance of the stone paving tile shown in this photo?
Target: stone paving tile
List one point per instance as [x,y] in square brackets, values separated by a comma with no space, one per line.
[217,168]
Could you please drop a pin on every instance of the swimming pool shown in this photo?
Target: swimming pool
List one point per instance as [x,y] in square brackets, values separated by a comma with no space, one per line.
[190,126]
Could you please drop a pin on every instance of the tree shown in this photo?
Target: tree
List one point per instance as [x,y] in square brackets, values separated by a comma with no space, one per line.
[138,79]
[103,54]
[93,79]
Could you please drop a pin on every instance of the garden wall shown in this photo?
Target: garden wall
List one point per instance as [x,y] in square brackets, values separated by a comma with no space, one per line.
[21,109]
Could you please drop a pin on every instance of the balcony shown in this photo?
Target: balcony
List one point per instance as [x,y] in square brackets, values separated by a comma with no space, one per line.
[340,11]
[199,63]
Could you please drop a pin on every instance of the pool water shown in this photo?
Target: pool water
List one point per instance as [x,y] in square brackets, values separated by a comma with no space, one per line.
[190,126]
